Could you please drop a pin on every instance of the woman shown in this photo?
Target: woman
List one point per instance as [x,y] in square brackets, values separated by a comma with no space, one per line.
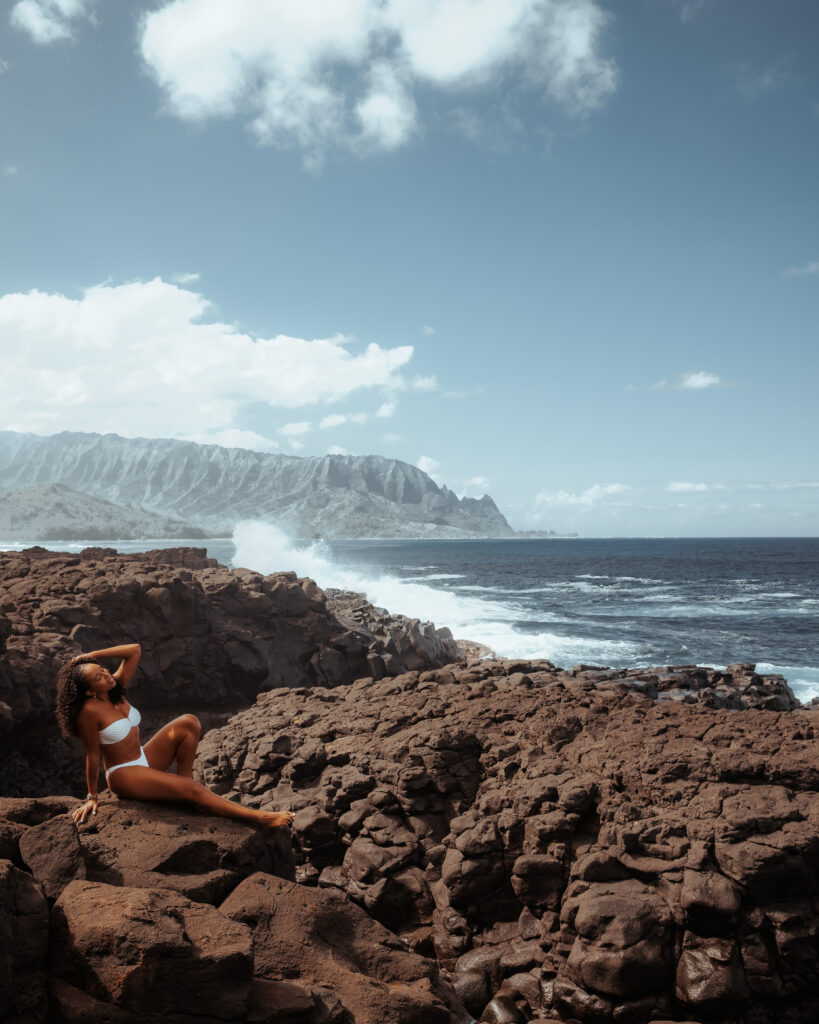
[91,704]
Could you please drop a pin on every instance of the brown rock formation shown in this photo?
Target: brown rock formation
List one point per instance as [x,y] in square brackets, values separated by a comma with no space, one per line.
[212,639]
[570,845]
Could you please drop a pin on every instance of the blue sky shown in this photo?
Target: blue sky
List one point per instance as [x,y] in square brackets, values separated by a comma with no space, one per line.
[565,253]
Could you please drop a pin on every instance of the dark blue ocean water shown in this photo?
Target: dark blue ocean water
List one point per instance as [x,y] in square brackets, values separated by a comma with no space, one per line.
[604,602]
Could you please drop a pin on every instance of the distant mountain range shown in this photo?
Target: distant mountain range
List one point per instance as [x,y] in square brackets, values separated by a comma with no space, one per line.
[56,512]
[113,480]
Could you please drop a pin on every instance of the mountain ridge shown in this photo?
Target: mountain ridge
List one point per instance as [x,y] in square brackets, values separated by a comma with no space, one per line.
[213,487]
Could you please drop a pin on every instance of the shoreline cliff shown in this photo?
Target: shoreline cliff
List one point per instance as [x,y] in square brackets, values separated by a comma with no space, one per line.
[497,840]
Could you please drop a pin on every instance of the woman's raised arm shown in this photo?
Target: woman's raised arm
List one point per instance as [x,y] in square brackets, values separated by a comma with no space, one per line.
[130,654]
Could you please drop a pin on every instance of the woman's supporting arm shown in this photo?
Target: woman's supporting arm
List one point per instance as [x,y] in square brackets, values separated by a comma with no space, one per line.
[89,734]
[130,654]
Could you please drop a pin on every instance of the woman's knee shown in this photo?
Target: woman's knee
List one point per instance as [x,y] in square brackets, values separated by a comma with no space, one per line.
[192,725]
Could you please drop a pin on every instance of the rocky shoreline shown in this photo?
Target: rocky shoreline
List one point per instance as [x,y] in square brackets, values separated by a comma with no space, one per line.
[496,840]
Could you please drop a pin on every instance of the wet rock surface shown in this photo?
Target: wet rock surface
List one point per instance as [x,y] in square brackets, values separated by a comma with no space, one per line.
[569,845]
[211,638]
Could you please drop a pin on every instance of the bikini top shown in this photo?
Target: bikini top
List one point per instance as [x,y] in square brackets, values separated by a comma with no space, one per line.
[118,730]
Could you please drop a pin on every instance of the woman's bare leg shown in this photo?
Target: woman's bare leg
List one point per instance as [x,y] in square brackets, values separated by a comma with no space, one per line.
[176,741]
[139,783]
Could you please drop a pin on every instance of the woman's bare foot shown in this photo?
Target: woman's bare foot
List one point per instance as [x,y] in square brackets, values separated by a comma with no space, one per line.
[275,819]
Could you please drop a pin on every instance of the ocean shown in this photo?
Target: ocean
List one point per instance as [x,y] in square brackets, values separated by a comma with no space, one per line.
[612,602]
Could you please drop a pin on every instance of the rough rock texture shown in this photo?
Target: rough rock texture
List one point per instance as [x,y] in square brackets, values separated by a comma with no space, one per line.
[134,844]
[212,639]
[56,512]
[151,952]
[302,934]
[215,487]
[572,845]
[23,947]
[137,932]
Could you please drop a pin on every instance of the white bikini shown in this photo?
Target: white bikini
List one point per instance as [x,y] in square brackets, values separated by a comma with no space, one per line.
[117,731]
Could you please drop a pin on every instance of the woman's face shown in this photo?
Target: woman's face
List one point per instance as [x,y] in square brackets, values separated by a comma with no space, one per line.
[98,680]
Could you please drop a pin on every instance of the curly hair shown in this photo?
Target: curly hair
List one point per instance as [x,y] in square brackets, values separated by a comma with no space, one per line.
[72,693]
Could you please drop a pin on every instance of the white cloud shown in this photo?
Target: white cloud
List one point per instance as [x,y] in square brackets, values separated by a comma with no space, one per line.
[753,85]
[684,487]
[807,269]
[429,383]
[138,359]
[593,495]
[427,464]
[690,382]
[49,21]
[386,409]
[698,381]
[4,66]
[295,429]
[320,74]
[427,330]
[10,170]
[333,420]
[335,449]
[336,419]
[295,444]
[689,9]
[235,438]
[188,278]
[430,466]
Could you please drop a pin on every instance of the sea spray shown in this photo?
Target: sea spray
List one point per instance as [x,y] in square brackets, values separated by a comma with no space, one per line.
[266,548]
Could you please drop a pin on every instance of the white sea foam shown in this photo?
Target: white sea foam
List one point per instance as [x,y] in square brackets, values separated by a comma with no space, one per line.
[803,680]
[266,548]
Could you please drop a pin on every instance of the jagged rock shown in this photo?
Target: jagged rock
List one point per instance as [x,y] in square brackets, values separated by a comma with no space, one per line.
[153,846]
[211,638]
[320,940]
[576,847]
[151,952]
[23,947]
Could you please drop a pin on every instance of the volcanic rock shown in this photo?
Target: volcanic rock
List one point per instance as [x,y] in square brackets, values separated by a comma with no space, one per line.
[211,638]
[568,847]
[151,846]
[23,947]
[334,950]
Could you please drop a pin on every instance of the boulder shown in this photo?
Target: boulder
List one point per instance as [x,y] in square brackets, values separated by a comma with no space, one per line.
[320,940]
[150,952]
[153,846]
[23,947]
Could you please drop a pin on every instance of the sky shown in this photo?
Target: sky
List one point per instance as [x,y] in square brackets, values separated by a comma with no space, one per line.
[563,252]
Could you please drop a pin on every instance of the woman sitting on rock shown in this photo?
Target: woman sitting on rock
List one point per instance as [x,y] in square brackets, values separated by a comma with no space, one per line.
[91,704]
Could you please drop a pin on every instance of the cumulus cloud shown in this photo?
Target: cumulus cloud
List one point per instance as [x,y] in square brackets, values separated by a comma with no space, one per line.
[684,487]
[349,73]
[386,409]
[593,495]
[690,382]
[429,383]
[235,438]
[336,449]
[806,270]
[295,429]
[336,419]
[431,467]
[49,21]
[141,359]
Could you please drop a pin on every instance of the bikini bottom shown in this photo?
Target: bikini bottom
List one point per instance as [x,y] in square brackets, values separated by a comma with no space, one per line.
[141,760]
